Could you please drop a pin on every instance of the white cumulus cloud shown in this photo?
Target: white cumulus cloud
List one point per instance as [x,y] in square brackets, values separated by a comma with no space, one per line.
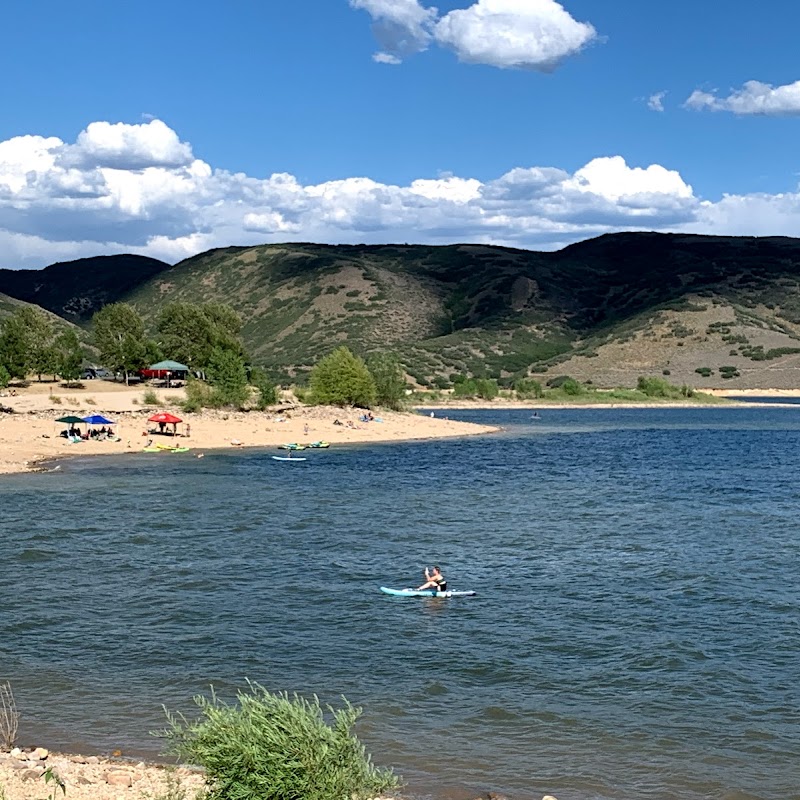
[402,27]
[753,98]
[523,34]
[526,34]
[170,205]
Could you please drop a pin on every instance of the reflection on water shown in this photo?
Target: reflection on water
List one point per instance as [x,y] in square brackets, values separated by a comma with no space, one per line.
[634,634]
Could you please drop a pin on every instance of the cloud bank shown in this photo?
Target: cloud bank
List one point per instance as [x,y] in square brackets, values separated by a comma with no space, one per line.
[521,34]
[753,98]
[140,189]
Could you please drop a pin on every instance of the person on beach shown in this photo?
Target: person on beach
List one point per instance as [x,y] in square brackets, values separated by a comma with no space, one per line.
[434,580]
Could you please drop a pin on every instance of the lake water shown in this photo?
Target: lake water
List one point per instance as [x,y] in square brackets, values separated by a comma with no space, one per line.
[636,634]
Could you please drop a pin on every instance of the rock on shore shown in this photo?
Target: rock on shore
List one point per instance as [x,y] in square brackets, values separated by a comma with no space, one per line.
[23,776]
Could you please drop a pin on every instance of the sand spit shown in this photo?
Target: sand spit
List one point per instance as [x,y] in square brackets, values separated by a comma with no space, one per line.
[30,435]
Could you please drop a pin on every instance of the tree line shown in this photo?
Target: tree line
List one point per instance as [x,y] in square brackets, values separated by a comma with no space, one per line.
[206,337]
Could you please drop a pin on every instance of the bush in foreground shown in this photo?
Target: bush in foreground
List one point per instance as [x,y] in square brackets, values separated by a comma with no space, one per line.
[272,746]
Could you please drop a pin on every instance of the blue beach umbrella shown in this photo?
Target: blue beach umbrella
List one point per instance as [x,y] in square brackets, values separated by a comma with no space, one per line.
[97,419]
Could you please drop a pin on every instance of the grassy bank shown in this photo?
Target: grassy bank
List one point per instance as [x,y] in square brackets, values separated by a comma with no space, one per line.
[558,397]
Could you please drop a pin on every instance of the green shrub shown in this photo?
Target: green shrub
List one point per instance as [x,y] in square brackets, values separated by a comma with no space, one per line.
[728,372]
[342,379]
[704,371]
[267,391]
[389,380]
[301,393]
[484,388]
[198,396]
[272,746]
[559,381]
[5,378]
[227,373]
[527,388]
[571,387]
[150,398]
[656,387]
[665,372]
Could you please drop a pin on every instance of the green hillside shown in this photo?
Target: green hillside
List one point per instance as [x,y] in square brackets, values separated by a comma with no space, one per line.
[607,309]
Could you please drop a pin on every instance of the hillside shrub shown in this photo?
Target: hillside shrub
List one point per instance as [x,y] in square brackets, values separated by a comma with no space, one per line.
[342,379]
[273,746]
[726,373]
[483,388]
[571,387]
[559,381]
[656,387]
[527,388]
[706,372]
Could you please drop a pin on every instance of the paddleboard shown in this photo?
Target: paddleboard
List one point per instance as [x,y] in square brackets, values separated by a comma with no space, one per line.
[286,458]
[424,593]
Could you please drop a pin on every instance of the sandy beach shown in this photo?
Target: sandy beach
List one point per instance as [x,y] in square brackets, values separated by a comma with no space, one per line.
[31,435]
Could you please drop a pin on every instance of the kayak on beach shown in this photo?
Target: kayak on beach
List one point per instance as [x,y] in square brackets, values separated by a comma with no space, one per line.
[424,593]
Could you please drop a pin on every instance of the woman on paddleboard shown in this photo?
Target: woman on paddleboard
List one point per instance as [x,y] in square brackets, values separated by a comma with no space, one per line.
[434,580]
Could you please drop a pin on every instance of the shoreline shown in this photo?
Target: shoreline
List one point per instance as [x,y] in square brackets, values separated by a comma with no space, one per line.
[23,770]
[30,441]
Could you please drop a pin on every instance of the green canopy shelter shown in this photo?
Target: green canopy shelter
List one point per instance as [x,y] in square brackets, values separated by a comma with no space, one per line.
[168,370]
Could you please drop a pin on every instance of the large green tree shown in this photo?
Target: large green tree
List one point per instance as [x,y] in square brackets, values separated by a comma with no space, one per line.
[42,356]
[26,343]
[120,337]
[390,382]
[227,373]
[69,356]
[14,348]
[191,332]
[342,379]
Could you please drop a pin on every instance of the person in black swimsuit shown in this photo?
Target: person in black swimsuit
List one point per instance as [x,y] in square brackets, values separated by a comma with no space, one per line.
[434,580]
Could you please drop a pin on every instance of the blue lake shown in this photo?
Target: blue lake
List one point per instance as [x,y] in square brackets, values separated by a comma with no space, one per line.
[636,634]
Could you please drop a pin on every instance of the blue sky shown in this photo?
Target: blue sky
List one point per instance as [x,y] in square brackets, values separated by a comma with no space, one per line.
[169,128]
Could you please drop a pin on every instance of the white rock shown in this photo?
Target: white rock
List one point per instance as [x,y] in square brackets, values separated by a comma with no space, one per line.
[118,778]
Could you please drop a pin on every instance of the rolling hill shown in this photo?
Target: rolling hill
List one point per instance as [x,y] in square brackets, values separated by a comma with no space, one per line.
[605,310]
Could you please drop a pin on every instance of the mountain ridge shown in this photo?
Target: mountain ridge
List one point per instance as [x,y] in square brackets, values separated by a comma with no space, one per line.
[669,303]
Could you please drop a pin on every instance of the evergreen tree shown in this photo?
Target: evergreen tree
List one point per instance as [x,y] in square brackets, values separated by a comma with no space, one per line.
[342,379]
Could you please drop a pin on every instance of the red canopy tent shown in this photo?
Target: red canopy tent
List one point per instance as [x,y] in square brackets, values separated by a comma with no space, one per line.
[165,418]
